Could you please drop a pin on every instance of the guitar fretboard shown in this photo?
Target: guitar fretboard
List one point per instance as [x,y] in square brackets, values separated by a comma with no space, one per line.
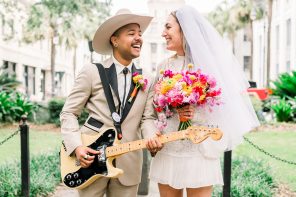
[140,144]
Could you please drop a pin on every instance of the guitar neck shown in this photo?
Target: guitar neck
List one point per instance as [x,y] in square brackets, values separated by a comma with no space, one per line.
[140,144]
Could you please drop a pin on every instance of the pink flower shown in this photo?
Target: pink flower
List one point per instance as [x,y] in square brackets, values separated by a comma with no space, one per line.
[168,73]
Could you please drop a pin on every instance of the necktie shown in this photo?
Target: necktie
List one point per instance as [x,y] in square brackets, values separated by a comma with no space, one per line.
[125,71]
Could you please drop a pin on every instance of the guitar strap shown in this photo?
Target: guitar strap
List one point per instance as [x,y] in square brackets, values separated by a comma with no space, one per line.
[110,101]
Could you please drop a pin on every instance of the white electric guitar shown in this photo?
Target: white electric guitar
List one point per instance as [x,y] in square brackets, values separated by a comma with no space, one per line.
[74,176]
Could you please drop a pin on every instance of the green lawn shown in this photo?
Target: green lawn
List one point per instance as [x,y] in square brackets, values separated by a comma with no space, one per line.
[39,141]
[281,144]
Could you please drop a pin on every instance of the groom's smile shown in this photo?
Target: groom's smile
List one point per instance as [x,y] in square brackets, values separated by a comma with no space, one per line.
[128,41]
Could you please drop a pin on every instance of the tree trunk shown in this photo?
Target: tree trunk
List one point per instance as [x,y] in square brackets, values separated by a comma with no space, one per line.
[74,61]
[268,42]
[52,63]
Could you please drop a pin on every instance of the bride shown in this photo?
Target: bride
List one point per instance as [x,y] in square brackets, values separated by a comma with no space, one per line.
[182,164]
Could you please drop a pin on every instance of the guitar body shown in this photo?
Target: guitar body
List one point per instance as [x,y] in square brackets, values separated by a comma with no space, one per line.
[108,145]
[74,176]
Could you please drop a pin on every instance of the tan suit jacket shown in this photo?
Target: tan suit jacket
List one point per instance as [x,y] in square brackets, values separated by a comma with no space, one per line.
[138,120]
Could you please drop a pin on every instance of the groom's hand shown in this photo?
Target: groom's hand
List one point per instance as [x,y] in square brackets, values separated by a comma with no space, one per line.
[85,155]
[153,144]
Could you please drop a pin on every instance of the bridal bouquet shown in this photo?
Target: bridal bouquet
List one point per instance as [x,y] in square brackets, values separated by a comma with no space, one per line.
[177,89]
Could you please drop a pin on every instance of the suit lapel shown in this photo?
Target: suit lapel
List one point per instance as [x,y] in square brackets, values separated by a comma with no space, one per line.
[128,105]
[112,76]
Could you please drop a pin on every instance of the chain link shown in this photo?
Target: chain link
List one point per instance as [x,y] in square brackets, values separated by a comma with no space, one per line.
[269,154]
[9,137]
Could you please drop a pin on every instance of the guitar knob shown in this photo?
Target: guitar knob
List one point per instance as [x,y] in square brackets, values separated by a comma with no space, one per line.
[78,181]
[71,183]
[68,177]
[76,175]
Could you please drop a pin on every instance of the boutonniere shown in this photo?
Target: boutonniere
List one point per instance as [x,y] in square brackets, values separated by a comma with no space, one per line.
[140,82]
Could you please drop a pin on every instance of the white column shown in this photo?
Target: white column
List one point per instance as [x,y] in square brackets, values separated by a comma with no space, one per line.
[47,85]
[38,92]
[293,34]
[19,70]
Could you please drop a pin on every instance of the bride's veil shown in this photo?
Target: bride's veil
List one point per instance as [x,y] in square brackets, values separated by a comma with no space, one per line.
[207,50]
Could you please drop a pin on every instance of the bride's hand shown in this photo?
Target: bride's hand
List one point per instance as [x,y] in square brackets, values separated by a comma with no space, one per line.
[187,111]
[153,144]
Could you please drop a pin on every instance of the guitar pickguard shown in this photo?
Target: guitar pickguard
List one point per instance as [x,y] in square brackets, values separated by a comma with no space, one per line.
[75,179]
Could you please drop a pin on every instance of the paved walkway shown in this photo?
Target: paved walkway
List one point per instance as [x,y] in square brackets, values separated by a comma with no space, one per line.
[63,191]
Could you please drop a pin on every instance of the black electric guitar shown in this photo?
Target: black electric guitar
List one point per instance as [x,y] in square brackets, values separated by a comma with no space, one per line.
[74,176]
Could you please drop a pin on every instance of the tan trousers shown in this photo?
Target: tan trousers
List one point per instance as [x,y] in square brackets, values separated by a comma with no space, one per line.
[110,187]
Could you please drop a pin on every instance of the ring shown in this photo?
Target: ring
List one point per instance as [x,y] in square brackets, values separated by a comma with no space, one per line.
[86,156]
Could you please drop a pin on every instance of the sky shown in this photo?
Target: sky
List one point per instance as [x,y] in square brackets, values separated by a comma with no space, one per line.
[140,6]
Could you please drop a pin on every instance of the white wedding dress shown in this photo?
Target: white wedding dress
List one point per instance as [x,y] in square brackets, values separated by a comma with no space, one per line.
[182,164]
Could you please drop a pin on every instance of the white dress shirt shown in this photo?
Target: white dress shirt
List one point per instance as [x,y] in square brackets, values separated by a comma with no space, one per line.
[120,79]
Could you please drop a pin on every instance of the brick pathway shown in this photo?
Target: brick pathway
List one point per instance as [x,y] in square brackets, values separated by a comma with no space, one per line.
[63,191]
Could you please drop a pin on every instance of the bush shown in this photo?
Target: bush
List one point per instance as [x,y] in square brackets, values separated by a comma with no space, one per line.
[249,178]
[44,176]
[285,85]
[13,105]
[55,107]
[6,105]
[22,106]
[283,110]
[8,82]
[41,115]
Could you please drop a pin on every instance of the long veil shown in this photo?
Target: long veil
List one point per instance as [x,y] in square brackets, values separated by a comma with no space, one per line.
[207,50]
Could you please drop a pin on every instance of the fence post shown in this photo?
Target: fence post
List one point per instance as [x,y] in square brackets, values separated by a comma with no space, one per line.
[25,165]
[144,185]
[227,174]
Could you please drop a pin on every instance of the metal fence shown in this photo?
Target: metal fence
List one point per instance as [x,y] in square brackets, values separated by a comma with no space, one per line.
[143,189]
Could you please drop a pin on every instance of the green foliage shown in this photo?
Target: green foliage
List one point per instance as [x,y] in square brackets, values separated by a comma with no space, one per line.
[228,18]
[13,105]
[22,106]
[41,115]
[283,110]
[6,105]
[249,178]
[8,82]
[44,175]
[66,18]
[55,107]
[285,85]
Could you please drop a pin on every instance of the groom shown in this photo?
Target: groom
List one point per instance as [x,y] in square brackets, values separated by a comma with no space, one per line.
[121,37]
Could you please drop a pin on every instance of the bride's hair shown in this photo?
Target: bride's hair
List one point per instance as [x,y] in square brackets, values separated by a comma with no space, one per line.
[174,14]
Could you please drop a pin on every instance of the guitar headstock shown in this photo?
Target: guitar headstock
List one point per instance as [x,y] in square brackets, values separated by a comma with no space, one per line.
[198,134]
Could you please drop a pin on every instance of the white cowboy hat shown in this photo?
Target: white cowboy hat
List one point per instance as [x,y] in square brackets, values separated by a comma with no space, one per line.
[101,42]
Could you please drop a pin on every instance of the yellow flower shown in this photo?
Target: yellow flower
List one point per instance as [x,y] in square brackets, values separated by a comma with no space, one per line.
[183,84]
[161,71]
[197,84]
[192,77]
[190,66]
[167,85]
[202,97]
[187,90]
[177,77]
[137,78]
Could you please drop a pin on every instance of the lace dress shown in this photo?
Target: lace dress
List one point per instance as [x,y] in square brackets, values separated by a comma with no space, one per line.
[182,164]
